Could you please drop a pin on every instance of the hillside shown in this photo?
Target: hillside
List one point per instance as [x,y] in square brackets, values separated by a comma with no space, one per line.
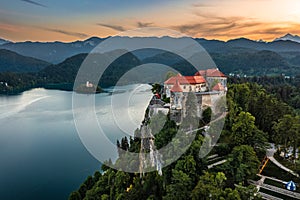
[248,127]
[66,71]
[257,63]
[243,62]
[62,76]
[13,62]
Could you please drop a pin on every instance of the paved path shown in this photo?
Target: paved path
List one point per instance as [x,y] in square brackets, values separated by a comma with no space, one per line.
[270,154]
[281,191]
[206,126]
[283,167]
[212,156]
[217,163]
[272,178]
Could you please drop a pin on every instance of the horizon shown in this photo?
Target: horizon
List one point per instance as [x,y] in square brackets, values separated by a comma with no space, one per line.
[94,36]
[68,21]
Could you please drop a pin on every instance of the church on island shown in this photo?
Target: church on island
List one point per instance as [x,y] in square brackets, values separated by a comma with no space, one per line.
[208,86]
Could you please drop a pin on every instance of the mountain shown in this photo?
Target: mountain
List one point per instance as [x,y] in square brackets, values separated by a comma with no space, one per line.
[276,46]
[57,52]
[253,62]
[66,71]
[13,62]
[232,55]
[257,63]
[289,37]
[2,41]
[53,52]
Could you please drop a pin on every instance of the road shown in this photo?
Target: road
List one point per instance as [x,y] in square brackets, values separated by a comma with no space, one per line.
[270,154]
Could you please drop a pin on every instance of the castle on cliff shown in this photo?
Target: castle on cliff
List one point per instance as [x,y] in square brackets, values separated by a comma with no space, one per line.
[207,85]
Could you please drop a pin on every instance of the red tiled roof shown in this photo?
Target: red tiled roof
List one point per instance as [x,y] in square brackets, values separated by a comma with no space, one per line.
[210,73]
[185,80]
[176,87]
[218,87]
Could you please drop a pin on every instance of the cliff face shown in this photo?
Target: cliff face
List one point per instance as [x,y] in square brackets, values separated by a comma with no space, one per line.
[148,154]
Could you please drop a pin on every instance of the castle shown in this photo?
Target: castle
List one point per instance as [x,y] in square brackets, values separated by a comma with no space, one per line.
[208,86]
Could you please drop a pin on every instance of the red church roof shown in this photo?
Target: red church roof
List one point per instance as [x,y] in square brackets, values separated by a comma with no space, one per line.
[185,80]
[218,87]
[210,73]
[176,87]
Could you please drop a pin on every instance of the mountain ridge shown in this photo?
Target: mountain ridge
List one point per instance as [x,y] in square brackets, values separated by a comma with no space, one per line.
[14,62]
[289,37]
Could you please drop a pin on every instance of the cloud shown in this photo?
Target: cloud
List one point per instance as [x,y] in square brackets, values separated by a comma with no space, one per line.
[214,26]
[199,5]
[35,3]
[114,27]
[75,34]
[144,24]
[9,27]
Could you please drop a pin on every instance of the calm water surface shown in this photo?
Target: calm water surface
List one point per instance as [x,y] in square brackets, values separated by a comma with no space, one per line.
[41,155]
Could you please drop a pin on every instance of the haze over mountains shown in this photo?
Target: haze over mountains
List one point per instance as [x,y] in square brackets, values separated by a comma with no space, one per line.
[56,52]
[241,55]
[54,65]
[53,52]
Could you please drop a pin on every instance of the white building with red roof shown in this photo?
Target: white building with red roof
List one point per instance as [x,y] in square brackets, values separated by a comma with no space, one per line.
[213,77]
[204,84]
[186,83]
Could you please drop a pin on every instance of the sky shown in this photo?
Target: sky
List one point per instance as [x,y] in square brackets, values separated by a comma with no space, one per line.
[70,20]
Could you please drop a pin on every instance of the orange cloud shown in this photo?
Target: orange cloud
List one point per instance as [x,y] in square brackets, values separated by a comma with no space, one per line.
[9,27]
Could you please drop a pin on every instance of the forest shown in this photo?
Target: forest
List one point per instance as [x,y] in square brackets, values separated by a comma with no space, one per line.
[260,111]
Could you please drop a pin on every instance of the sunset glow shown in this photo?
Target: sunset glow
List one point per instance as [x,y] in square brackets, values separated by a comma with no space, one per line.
[42,20]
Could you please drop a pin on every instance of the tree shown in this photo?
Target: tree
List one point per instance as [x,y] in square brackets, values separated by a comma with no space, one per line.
[206,115]
[211,186]
[249,192]
[124,144]
[180,187]
[75,196]
[242,163]
[245,132]
[121,182]
[187,165]
[156,88]
[287,132]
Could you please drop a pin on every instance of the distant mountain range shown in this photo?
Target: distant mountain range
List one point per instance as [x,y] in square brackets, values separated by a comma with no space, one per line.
[53,52]
[289,37]
[55,64]
[2,41]
[56,52]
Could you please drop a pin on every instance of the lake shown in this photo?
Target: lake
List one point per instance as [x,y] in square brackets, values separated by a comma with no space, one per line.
[41,154]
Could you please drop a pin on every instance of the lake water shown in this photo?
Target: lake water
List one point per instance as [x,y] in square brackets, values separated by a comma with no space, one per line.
[41,154]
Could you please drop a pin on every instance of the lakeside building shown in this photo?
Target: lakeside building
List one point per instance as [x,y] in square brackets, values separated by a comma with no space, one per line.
[208,86]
